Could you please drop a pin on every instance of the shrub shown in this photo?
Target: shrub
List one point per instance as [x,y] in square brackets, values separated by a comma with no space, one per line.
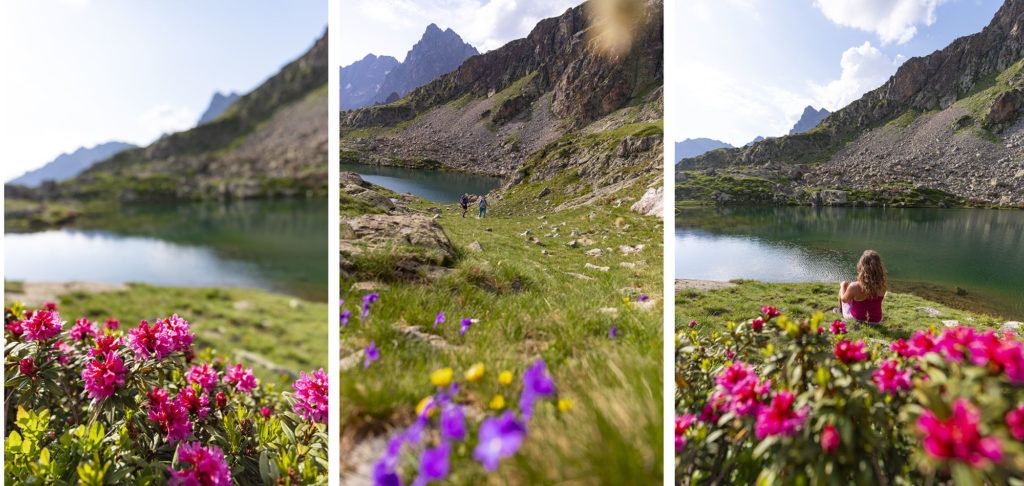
[95,405]
[776,401]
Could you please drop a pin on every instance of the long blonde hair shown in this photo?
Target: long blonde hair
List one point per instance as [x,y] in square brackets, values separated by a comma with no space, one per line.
[871,274]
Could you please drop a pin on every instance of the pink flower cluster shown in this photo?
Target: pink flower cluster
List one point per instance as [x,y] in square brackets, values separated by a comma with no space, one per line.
[102,376]
[43,325]
[850,352]
[208,467]
[838,327]
[82,328]
[311,396]
[164,337]
[779,418]
[203,375]
[958,437]
[683,422]
[739,389]
[1015,421]
[241,378]
[171,415]
[195,403]
[1000,354]
[890,378]
[105,344]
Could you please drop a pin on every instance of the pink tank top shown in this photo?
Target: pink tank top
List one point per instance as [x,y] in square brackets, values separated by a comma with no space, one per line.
[869,310]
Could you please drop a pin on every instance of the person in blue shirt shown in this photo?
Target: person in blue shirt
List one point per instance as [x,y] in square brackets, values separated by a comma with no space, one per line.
[483,206]
[465,204]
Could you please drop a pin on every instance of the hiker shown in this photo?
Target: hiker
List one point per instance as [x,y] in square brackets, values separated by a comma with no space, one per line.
[483,206]
[862,299]
[465,204]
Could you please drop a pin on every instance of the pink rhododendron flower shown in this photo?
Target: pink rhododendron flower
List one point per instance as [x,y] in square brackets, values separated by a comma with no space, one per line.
[890,378]
[105,345]
[1015,421]
[683,422]
[65,352]
[203,375]
[693,323]
[999,355]
[179,332]
[838,327]
[741,389]
[850,352]
[113,323]
[311,396]
[149,341]
[194,402]
[82,328]
[757,324]
[829,439]
[222,399]
[102,376]
[17,328]
[922,342]
[902,348]
[42,325]
[27,366]
[957,437]
[50,306]
[735,374]
[241,378]
[770,311]
[954,342]
[265,412]
[714,409]
[779,418]
[207,467]
[171,415]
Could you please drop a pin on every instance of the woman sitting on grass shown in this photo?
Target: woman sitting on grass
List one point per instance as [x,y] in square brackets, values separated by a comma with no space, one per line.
[862,299]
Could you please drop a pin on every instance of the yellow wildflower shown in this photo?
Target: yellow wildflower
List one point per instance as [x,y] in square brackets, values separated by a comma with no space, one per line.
[498,402]
[505,378]
[564,405]
[475,372]
[441,377]
[426,402]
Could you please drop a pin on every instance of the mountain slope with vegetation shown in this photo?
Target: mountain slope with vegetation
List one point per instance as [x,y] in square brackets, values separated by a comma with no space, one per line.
[946,126]
[270,142]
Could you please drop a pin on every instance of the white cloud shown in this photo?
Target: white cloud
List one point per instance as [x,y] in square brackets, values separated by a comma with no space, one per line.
[864,69]
[715,104]
[166,118]
[893,20]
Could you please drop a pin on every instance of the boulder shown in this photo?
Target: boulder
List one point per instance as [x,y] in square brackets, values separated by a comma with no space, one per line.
[414,240]
[652,203]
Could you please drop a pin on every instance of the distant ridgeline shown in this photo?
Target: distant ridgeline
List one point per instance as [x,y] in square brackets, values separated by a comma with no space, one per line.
[553,108]
[271,142]
[693,147]
[380,80]
[945,130]
[66,166]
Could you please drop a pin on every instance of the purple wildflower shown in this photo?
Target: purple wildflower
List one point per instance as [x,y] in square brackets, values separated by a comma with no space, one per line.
[439,319]
[614,332]
[453,423]
[499,437]
[433,464]
[372,354]
[465,325]
[367,301]
[536,383]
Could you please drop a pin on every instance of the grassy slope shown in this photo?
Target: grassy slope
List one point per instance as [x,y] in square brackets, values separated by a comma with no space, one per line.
[287,331]
[712,309]
[614,432]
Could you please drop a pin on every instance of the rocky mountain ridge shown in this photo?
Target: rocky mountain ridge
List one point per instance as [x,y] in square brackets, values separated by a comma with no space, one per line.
[218,104]
[544,107]
[809,119]
[270,142]
[946,122]
[437,52]
[361,81]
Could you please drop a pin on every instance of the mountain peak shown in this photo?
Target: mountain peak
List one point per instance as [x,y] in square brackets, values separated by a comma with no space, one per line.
[809,119]
[433,28]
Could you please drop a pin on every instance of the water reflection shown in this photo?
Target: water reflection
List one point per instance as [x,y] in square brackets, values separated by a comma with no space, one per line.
[438,186]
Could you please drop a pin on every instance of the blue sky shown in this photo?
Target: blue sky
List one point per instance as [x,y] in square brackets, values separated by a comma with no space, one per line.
[391,27]
[83,72]
[743,68]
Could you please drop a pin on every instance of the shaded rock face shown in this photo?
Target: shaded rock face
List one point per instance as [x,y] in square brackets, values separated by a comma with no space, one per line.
[415,244]
[1006,108]
[809,119]
[436,53]
[361,81]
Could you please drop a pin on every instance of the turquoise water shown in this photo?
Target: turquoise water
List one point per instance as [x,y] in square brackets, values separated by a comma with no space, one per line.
[926,251]
[433,185]
[279,246]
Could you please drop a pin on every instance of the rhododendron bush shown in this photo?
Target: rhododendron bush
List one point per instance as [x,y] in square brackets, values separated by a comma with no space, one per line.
[99,404]
[777,401]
